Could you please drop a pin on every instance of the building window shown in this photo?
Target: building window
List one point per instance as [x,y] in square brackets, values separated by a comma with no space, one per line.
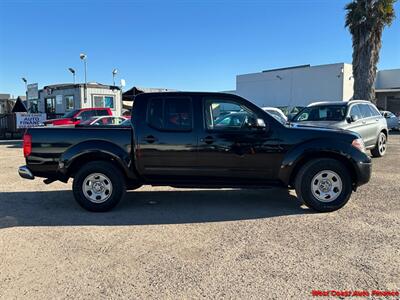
[103,101]
[69,102]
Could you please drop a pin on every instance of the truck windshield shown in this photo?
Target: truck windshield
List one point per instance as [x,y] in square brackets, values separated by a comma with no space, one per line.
[321,113]
[70,114]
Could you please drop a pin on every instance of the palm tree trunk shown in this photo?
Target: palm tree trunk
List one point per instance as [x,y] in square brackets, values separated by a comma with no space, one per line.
[365,58]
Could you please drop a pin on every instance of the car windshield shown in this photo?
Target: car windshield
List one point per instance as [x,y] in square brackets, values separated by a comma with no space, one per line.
[321,113]
[70,114]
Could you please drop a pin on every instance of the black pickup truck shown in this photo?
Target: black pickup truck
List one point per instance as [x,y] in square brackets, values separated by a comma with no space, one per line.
[187,139]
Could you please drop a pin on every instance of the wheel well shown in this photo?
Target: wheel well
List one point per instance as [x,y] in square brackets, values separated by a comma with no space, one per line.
[90,157]
[313,156]
[385,132]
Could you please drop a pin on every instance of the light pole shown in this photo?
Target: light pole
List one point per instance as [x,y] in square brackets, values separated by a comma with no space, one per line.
[114,72]
[26,92]
[73,73]
[83,57]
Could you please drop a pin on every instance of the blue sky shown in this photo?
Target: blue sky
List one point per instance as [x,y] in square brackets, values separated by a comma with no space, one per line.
[186,45]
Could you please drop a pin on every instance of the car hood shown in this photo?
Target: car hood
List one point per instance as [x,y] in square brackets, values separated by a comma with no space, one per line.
[321,124]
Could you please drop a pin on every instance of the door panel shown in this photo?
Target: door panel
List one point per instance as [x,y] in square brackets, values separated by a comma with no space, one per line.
[230,149]
[168,144]
[370,125]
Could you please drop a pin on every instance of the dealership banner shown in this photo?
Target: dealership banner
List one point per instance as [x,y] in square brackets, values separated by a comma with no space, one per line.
[28,120]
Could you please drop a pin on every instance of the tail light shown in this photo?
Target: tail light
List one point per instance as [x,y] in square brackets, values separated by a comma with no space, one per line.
[359,144]
[27,144]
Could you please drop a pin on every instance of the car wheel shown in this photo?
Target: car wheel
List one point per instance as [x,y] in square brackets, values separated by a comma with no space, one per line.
[98,186]
[324,184]
[380,147]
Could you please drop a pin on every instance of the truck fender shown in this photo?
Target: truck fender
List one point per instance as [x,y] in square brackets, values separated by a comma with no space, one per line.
[97,149]
[317,148]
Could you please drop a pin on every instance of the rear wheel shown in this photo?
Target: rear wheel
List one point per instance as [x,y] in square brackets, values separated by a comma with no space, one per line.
[324,184]
[380,147]
[98,186]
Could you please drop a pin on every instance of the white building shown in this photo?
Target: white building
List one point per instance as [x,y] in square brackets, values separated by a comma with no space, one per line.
[58,99]
[302,85]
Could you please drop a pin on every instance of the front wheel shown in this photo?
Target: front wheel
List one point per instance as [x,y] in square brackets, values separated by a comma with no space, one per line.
[98,186]
[324,185]
[380,147]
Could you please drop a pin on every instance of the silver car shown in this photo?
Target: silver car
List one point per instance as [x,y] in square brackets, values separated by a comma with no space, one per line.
[356,115]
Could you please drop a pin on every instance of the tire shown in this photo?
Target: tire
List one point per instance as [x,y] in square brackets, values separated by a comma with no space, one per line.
[324,184]
[107,186]
[380,146]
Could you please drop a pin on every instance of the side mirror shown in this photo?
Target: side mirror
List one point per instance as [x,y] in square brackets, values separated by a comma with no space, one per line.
[386,115]
[352,118]
[261,123]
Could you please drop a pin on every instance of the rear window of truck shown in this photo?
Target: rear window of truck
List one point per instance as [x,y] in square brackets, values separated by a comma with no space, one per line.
[170,114]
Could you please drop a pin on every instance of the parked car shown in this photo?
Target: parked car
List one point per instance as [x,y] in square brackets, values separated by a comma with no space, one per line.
[290,111]
[357,115]
[103,120]
[276,112]
[393,122]
[76,116]
[177,141]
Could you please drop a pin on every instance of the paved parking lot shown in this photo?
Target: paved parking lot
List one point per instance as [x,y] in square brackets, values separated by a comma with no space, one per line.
[183,243]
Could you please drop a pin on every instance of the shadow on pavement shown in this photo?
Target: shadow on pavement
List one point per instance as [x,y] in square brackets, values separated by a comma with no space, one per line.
[11,144]
[58,208]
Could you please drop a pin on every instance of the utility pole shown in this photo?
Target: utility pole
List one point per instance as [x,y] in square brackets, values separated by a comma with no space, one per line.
[83,57]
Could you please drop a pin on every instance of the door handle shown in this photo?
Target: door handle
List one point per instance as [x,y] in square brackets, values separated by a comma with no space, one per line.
[207,140]
[150,139]
[364,122]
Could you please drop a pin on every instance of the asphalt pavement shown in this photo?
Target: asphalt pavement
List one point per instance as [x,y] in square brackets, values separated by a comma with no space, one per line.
[162,242]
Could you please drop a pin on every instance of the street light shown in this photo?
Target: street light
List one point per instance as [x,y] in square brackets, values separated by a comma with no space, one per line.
[73,73]
[83,57]
[26,91]
[114,72]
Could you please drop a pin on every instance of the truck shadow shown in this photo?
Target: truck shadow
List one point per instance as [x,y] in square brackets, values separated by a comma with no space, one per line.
[58,208]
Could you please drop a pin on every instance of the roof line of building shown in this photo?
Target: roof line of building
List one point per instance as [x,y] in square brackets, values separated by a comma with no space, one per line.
[288,68]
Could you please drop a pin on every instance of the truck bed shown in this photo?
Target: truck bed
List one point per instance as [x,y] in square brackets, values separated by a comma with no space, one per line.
[50,143]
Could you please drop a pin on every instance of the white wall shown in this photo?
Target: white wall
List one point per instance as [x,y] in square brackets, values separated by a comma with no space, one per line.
[296,86]
[348,82]
[387,79]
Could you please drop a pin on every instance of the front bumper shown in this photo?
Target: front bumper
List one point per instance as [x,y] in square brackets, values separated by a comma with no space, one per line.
[364,170]
[25,173]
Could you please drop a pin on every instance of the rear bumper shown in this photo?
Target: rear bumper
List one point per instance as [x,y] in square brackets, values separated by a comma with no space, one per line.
[25,173]
[364,170]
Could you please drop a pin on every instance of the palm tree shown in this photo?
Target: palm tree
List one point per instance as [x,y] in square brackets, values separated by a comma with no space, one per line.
[366,20]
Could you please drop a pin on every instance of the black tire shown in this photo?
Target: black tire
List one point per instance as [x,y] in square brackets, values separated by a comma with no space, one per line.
[380,146]
[304,184]
[116,187]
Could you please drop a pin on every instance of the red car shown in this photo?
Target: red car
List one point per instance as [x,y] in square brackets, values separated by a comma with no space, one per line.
[79,115]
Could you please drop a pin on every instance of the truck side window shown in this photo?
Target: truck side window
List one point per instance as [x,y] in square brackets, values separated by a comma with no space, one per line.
[227,115]
[155,113]
[174,114]
[178,114]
